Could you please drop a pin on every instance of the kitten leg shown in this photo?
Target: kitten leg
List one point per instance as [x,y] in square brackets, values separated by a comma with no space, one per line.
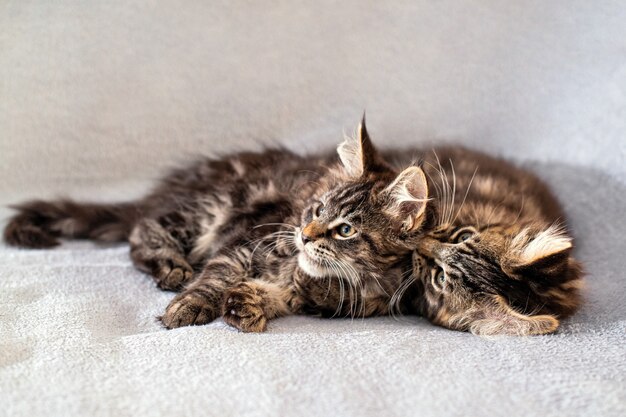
[155,251]
[201,302]
[250,305]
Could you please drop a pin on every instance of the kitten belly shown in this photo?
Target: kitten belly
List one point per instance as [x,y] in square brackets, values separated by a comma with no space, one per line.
[216,214]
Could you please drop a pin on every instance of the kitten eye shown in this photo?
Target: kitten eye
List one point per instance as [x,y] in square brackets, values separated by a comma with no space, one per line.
[345,230]
[463,237]
[319,210]
[441,276]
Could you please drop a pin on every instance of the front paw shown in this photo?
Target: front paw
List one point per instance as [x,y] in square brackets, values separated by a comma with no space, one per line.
[172,274]
[188,309]
[243,309]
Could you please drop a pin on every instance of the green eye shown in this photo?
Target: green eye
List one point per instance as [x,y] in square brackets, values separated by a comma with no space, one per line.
[441,276]
[319,210]
[463,237]
[345,230]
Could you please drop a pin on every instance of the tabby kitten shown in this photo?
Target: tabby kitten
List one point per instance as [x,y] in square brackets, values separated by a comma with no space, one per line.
[499,260]
[254,236]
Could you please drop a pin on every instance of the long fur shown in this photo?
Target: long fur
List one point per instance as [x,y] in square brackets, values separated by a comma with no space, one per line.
[514,250]
[227,234]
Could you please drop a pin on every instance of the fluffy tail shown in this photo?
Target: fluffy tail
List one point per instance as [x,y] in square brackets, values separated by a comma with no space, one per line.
[39,224]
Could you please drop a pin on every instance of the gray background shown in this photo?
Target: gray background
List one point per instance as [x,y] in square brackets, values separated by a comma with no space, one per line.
[97,98]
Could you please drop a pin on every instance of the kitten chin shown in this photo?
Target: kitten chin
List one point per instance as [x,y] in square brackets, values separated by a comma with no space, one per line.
[311,267]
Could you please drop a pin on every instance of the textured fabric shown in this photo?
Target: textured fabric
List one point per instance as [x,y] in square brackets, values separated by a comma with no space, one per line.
[97,98]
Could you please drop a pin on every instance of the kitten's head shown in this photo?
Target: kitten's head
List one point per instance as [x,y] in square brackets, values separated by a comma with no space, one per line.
[365,220]
[515,279]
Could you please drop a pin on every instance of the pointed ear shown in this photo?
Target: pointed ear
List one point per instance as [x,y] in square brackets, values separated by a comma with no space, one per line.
[496,317]
[358,154]
[542,254]
[407,196]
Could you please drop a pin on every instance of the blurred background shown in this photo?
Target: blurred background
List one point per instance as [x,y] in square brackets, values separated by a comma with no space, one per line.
[98,98]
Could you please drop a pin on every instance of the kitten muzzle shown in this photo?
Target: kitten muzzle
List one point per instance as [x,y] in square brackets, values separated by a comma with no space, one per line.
[432,248]
[312,231]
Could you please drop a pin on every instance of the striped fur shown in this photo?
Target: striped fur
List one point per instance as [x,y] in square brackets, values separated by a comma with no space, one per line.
[499,260]
[254,236]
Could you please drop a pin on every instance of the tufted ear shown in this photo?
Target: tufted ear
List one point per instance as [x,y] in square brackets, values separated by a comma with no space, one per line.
[539,255]
[407,196]
[358,154]
[496,317]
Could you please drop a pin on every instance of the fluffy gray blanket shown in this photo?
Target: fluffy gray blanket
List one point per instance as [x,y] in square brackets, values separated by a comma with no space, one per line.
[96,98]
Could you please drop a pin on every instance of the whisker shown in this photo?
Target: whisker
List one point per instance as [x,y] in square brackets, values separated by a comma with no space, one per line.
[453,190]
[437,189]
[357,281]
[442,192]
[399,293]
[351,289]
[341,287]
[342,295]
[444,185]
[330,279]
[520,210]
[362,284]
[275,224]
[380,285]
[493,211]
[319,174]
[466,193]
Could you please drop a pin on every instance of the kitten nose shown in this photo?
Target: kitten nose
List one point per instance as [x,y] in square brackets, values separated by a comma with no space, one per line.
[431,248]
[312,231]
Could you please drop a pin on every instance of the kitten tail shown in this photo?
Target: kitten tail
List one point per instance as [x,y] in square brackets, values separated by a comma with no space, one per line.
[39,224]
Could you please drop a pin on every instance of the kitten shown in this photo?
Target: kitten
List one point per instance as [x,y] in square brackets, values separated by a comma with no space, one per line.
[254,236]
[499,260]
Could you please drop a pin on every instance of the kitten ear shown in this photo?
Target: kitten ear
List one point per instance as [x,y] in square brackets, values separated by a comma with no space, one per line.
[358,154]
[542,254]
[407,197]
[496,317]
